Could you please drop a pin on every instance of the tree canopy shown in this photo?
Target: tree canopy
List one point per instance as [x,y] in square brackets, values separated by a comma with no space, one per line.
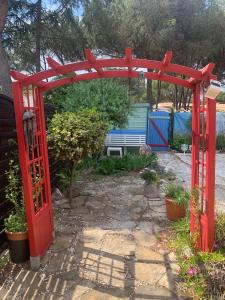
[109,97]
[35,29]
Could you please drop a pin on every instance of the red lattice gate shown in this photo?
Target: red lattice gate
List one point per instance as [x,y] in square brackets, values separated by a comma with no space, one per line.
[32,144]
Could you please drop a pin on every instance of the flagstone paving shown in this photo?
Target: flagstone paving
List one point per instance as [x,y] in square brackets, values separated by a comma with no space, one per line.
[108,246]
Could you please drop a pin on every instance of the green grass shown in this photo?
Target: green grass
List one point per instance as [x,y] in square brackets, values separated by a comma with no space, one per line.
[199,285]
[130,162]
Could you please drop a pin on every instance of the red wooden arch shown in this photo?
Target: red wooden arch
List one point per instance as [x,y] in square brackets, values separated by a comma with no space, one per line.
[116,67]
[28,97]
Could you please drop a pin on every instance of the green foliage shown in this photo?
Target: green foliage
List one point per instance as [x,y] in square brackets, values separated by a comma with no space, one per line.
[220,229]
[201,274]
[150,176]
[114,165]
[220,142]
[178,140]
[74,136]
[16,221]
[173,189]
[64,179]
[221,98]
[4,259]
[108,97]
[178,194]
[13,191]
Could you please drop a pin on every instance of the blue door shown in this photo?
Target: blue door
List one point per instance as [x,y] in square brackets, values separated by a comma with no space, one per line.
[158,130]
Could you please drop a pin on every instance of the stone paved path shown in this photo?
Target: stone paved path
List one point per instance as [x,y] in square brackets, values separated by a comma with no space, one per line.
[180,165]
[108,246]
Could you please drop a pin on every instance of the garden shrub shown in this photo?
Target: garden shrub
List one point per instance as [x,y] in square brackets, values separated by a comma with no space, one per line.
[74,136]
[178,140]
[108,96]
[149,175]
[129,162]
[220,142]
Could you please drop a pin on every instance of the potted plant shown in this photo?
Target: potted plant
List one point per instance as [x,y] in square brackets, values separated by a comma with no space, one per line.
[177,200]
[151,182]
[15,224]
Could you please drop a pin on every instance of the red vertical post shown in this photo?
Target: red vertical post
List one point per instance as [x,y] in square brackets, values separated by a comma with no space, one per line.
[195,154]
[210,175]
[40,102]
[24,165]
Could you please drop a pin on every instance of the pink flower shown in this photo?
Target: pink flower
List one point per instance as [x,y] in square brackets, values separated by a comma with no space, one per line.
[192,271]
[217,246]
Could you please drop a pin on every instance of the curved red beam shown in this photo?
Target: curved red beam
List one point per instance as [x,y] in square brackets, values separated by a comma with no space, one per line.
[113,74]
[160,69]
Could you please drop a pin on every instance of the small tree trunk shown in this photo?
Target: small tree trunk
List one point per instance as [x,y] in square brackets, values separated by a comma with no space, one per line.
[175,106]
[159,84]
[73,165]
[5,79]
[149,92]
[38,35]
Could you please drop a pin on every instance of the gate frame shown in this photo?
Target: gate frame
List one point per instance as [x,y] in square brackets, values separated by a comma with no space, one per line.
[157,129]
[128,67]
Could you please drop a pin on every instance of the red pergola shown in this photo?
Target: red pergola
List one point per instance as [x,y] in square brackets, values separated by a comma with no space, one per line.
[29,109]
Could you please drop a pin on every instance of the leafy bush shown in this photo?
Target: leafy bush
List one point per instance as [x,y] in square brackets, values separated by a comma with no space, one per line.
[220,142]
[177,194]
[16,221]
[74,136]
[113,165]
[107,96]
[150,176]
[220,229]
[178,140]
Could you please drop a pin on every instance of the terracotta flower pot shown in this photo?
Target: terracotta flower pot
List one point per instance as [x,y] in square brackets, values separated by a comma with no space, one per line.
[18,246]
[174,211]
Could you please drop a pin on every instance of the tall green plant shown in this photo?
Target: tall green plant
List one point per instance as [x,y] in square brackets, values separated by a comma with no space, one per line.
[13,191]
[177,193]
[16,221]
[74,136]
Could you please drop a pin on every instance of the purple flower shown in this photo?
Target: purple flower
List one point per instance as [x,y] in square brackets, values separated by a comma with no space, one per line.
[217,246]
[192,271]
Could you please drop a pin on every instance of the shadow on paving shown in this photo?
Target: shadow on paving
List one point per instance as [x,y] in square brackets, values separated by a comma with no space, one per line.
[106,247]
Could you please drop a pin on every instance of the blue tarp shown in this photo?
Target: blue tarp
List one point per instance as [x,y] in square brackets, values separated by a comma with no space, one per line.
[180,123]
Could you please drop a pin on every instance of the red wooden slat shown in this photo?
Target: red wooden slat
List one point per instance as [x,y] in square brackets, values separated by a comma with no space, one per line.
[129,62]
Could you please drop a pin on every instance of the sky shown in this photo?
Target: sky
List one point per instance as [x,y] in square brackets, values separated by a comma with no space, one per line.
[50,4]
